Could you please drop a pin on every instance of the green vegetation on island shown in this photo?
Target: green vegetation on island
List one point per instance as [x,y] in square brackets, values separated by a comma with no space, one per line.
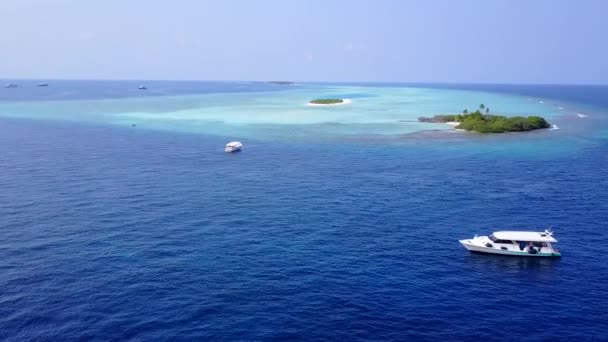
[326,101]
[477,121]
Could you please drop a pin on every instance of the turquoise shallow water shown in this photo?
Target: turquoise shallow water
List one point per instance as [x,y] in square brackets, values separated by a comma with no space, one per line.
[283,114]
[341,229]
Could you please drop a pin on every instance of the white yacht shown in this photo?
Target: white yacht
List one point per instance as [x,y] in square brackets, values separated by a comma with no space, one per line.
[234,146]
[142,87]
[537,244]
[10,85]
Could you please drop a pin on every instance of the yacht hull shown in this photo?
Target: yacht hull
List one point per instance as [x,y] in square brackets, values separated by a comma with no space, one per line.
[471,246]
[234,146]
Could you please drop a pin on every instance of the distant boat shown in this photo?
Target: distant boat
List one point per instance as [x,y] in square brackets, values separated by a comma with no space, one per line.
[537,244]
[142,87]
[43,84]
[234,146]
[10,85]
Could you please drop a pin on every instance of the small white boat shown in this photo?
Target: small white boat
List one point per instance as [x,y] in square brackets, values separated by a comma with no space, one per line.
[10,85]
[234,146]
[43,84]
[535,244]
[142,87]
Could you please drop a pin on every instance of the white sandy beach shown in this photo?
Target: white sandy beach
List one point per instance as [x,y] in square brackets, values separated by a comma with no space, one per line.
[344,102]
[454,124]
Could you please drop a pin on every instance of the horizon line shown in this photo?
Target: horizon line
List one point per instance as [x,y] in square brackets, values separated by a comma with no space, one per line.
[296,81]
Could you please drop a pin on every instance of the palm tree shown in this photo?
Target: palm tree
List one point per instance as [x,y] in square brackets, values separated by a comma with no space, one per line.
[465,112]
[487,110]
[482,107]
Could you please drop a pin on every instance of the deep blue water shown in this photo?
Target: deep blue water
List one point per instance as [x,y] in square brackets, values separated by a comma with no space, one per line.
[110,233]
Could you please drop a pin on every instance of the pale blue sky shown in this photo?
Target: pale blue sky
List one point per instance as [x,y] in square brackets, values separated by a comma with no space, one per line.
[502,41]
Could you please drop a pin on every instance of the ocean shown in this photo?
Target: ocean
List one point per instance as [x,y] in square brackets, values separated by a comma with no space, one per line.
[123,219]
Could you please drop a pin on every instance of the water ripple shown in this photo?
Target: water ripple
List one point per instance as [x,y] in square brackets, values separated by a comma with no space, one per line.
[106,235]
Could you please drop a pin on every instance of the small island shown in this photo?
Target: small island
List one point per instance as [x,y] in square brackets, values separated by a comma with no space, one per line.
[281,82]
[488,123]
[329,102]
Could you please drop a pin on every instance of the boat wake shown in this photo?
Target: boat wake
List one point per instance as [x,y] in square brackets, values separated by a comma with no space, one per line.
[581,115]
[553,127]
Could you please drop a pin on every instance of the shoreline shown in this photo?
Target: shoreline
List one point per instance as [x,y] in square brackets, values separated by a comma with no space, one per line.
[488,123]
[344,102]
[453,125]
